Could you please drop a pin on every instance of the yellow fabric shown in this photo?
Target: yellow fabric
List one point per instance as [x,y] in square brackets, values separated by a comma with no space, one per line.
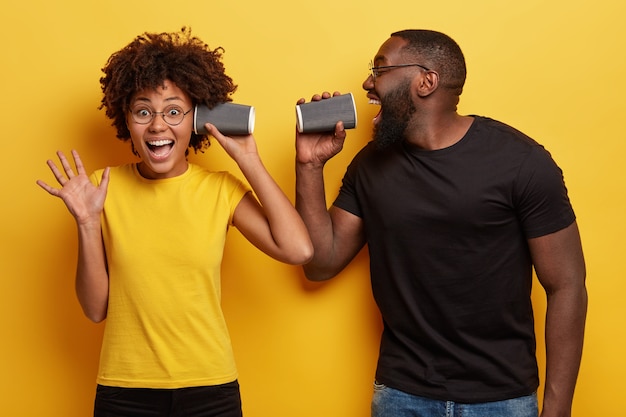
[164,242]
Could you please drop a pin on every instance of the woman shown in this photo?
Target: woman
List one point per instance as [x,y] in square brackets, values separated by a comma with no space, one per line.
[151,234]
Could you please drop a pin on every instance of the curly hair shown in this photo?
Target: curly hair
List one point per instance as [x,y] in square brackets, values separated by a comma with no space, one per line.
[151,59]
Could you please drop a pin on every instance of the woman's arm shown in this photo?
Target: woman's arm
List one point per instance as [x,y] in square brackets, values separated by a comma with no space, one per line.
[272,224]
[85,202]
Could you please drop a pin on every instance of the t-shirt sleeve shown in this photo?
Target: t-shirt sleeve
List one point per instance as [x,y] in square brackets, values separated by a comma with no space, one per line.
[96,177]
[347,199]
[542,201]
[235,190]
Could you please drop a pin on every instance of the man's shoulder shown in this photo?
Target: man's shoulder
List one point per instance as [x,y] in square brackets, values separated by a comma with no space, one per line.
[489,128]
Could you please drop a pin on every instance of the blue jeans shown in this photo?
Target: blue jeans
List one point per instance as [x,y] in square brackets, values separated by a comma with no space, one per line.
[389,402]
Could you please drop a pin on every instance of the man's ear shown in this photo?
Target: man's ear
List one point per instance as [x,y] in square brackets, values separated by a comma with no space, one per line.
[425,83]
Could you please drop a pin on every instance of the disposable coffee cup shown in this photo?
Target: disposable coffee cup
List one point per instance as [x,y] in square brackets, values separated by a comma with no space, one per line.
[229,118]
[323,115]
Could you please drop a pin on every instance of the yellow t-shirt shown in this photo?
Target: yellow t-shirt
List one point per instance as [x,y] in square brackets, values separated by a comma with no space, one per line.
[164,242]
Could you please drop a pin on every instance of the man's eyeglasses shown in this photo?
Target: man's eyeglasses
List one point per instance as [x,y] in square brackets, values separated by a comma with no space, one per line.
[172,115]
[376,71]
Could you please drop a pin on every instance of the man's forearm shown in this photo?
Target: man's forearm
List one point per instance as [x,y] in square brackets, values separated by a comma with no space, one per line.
[565,323]
[311,205]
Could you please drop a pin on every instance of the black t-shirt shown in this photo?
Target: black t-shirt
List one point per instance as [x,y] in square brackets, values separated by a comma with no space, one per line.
[450,266]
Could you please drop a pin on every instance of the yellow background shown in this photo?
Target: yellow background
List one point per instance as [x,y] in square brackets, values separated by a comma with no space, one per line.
[556,70]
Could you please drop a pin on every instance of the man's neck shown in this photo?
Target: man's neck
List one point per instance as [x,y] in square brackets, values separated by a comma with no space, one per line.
[439,132]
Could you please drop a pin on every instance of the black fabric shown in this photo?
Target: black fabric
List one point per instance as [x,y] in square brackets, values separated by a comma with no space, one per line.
[206,401]
[451,271]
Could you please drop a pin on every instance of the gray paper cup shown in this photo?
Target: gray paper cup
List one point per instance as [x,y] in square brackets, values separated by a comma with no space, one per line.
[323,115]
[229,118]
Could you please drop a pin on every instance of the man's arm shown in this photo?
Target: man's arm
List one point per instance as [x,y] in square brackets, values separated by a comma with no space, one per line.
[560,267]
[337,235]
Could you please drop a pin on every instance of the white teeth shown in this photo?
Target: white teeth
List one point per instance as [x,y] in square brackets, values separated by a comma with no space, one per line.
[162,142]
[373,101]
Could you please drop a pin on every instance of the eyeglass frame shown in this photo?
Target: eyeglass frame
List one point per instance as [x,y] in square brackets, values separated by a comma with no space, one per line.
[154,113]
[374,70]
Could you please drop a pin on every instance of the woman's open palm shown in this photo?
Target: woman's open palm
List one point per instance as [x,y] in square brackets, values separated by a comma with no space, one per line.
[84,200]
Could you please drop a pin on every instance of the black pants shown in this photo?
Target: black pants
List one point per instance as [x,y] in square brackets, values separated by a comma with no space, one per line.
[210,401]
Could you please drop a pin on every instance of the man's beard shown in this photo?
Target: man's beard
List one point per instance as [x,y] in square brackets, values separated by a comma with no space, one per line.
[398,108]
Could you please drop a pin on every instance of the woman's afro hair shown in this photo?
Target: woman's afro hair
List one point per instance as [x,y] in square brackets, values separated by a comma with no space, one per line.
[151,59]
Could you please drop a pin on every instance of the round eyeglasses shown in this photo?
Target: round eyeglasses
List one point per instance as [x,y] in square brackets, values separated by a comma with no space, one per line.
[172,115]
[376,71]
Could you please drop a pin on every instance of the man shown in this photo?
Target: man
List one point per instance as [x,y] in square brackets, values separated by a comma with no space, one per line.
[455,210]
